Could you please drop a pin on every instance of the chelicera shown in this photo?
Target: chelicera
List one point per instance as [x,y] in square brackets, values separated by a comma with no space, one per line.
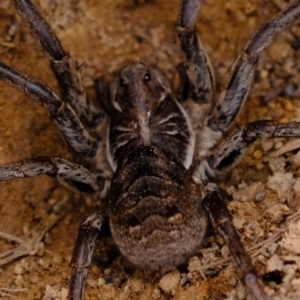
[158,193]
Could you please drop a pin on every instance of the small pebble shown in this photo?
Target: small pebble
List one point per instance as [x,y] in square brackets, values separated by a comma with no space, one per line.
[100,282]
[19,270]
[95,270]
[278,145]
[297,158]
[257,154]
[260,196]
[19,280]
[170,281]
[233,281]
[136,285]
[44,264]
[34,279]
[267,145]
[107,272]
[194,264]
[47,239]
[57,259]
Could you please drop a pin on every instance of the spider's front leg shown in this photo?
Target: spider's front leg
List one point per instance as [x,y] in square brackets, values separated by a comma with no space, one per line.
[233,97]
[73,113]
[63,65]
[214,203]
[197,62]
[235,93]
[200,72]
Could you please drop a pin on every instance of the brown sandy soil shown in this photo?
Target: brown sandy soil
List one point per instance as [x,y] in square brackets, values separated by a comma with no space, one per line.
[265,190]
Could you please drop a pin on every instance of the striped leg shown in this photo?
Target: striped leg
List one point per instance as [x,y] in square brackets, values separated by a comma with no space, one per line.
[197,62]
[63,65]
[229,153]
[233,97]
[214,203]
[72,175]
[82,254]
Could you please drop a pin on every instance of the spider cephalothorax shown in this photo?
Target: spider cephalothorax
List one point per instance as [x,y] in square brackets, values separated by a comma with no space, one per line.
[144,112]
[162,155]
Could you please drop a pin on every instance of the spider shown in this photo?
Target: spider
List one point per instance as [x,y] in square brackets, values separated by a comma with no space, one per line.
[164,153]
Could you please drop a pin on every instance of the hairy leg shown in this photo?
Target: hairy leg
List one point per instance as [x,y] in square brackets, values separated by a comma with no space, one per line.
[72,175]
[197,63]
[236,91]
[63,65]
[102,88]
[82,254]
[78,120]
[229,153]
[219,216]
[75,134]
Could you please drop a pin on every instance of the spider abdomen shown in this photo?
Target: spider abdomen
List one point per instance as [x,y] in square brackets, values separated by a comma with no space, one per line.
[156,217]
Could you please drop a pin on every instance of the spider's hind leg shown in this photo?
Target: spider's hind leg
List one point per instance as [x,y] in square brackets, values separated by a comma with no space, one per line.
[83,251]
[214,203]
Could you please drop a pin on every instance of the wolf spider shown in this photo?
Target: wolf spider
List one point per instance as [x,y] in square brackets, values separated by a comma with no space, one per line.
[158,194]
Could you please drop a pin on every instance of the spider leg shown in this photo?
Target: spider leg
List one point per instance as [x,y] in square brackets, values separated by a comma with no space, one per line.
[181,90]
[230,151]
[72,175]
[82,253]
[75,134]
[102,88]
[63,65]
[233,97]
[214,203]
[197,62]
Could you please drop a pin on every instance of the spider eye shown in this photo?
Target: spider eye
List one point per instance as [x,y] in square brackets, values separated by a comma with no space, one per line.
[147,77]
[123,83]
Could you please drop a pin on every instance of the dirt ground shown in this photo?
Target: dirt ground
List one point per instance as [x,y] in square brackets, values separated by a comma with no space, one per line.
[265,188]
